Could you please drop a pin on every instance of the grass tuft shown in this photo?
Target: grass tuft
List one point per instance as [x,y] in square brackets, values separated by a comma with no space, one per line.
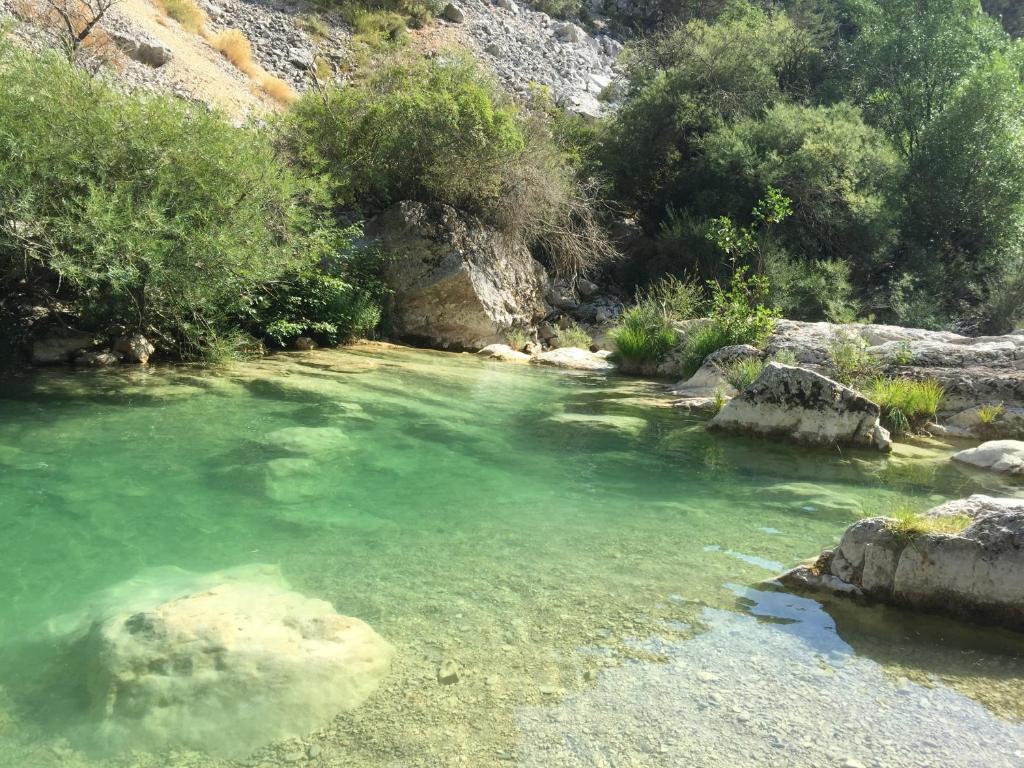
[278,89]
[988,414]
[517,338]
[907,405]
[574,336]
[237,49]
[742,373]
[644,335]
[906,524]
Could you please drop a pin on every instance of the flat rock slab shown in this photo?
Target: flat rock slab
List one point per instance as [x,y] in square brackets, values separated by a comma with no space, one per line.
[574,358]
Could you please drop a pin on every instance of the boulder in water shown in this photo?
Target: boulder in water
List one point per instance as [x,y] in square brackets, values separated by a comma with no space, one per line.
[1005,456]
[798,404]
[228,668]
[574,358]
[977,572]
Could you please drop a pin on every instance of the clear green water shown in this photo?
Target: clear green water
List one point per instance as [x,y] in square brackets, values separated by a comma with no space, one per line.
[593,564]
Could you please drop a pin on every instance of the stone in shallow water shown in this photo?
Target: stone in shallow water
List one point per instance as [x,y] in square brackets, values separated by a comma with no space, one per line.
[293,480]
[308,440]
[226,668]
[996,455]
[631,426]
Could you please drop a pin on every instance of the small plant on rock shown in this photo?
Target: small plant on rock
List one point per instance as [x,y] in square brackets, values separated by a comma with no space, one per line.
[906,405]
[517,338]
[907,525]
[989,414]
[742,373]
[903,354]
[852,364]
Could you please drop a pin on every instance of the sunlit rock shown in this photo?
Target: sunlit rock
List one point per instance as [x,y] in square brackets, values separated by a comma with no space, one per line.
[1006,456]
[977,572]
[503,352]
[574,358]
[225,668]
[797,404]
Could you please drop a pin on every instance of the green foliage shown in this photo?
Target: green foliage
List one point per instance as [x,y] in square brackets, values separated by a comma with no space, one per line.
[677,299]
[908,59]
[644,335]
[140,212]
[742,373]
[690,81]
[989,414]
[903,354]
[852,364]
[442,131]
[435,131]
[907,405]
[906,524]
[334,297]
[812,290]
[574,336]
[738,315]
[839,176]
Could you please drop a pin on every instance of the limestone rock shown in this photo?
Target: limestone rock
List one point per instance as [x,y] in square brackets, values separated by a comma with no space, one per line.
[996,455]
[503,352]
[60,347]
[97,359]
[457,283]
[453,13]
[304,344]
[798,404]
[574,358]
[710,377]
[230,668]
[134,348]
[143,49]
[977,573]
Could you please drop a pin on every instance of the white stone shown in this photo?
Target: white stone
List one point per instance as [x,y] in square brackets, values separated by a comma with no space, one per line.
[801,405]
[229,668]
[1005,456]
[573,358]
[503,352]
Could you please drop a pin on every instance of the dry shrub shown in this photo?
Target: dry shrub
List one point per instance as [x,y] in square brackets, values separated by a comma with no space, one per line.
[551,209]
[185,12]
[54,18]
[278,89]
[237,49]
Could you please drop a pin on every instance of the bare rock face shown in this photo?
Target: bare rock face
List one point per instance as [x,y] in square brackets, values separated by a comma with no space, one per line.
[457,283]
[229,668]
[1005,456]
[977,573]
[797,404]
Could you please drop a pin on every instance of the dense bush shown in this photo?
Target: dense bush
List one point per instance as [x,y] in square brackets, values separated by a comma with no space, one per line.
[906,405]
[443,131]
[141,213]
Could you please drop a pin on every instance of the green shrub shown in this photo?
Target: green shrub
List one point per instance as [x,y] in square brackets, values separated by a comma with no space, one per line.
[852,364]
[903,354]
[742,373]
[145,213]
[677,299]
[334,297]
[644,336]
[574,336]
[812,290]
[738,316]
[443,131]
[906,405]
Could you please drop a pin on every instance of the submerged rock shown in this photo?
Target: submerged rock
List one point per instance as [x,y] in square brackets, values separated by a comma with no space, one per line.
[309,441]
[504,353]
[798,404]
[996,455]
[977,573]
[229,668]
[457,283]
[60,347]
[574,358]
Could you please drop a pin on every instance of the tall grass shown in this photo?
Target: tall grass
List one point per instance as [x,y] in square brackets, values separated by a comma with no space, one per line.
[237,49]
[742,373]
[574,336]
[906,405]
[644,336]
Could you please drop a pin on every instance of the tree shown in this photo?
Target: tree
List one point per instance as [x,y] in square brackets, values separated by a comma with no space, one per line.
[74,21]
[909,56]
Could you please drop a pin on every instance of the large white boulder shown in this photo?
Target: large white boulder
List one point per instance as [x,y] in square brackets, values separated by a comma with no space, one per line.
[797,404]
[574,358]
[227,668]
[996,455]
[457,284]
[977,572]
